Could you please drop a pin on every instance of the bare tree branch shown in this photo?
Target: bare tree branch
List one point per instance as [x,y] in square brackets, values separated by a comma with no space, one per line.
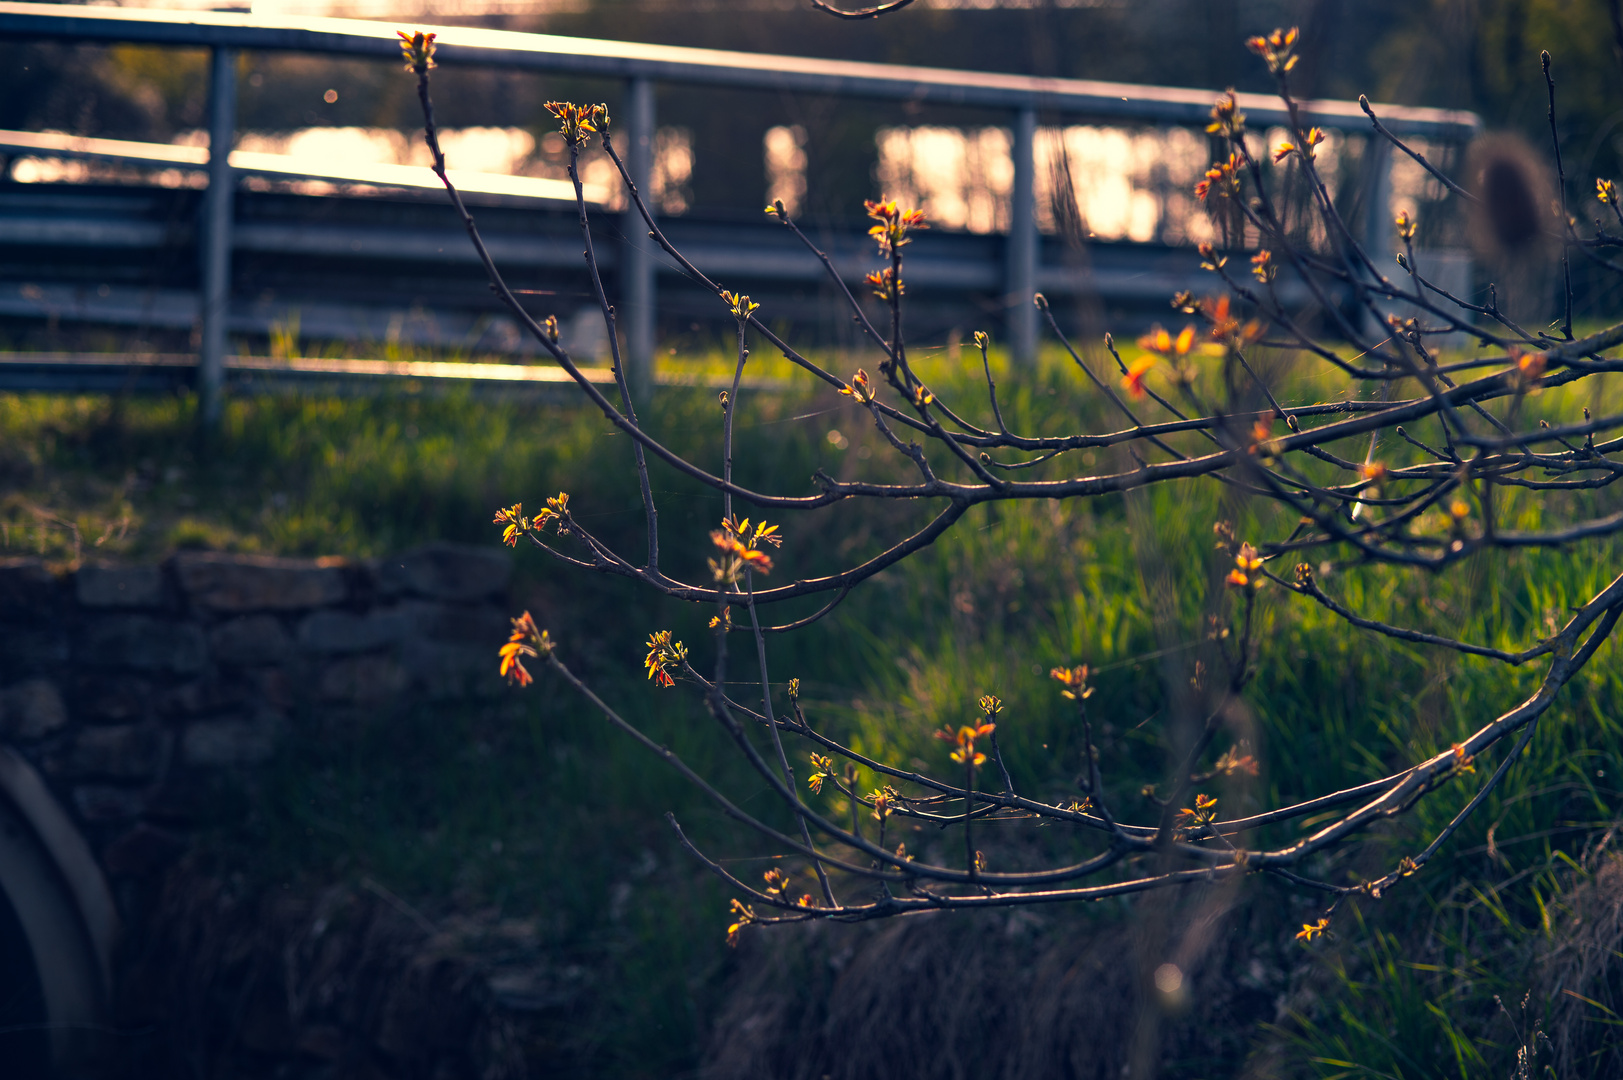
[863,13]
[1407,462]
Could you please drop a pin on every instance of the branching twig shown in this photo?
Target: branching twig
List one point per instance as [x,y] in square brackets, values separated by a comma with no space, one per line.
[1343,492]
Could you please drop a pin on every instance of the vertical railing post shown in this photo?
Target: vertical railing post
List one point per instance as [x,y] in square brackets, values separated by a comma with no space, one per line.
[637,287]
[1378,233]
[1022,250]
[1379,236]
[215,236]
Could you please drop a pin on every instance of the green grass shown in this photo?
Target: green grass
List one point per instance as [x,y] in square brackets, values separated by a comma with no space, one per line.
[534,807]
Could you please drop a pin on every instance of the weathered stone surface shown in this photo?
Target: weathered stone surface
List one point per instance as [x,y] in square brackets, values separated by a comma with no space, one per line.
[99,586]
[448,572]
[259,583]
[275,687]
[26,651]
[107,802]
[182,800]
[346,632]
[148,694]
[31,710]
[231,741]
[141,851]
[474,624]
[249,640]
[366,678]
[205,695]
[447,670]
[102,697]
[28,590]
[121,752]
[144,643]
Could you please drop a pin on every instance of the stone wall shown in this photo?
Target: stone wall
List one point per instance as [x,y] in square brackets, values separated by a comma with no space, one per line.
[137,690]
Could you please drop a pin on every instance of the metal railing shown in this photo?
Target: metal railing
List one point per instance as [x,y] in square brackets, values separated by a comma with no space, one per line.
[641,67]
[281,167]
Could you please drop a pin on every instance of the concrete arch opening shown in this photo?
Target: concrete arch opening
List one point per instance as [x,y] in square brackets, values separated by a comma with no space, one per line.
[57,930]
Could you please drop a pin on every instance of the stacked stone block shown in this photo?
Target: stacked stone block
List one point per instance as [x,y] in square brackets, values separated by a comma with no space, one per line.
[137,690]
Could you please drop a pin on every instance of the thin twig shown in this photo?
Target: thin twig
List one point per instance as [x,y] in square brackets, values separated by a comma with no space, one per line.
[863,13]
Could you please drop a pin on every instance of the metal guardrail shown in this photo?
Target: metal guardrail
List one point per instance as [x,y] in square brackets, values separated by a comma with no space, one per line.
[711,67]
[171,372]
[393,265]
[176,371]
[286,167]
[641,66]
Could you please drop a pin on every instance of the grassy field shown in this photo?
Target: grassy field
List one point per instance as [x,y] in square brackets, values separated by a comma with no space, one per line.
[551,816]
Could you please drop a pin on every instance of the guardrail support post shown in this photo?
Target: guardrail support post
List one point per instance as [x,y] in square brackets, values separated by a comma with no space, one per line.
[215,236]
[1022,251]
[637,290]
[1379,237]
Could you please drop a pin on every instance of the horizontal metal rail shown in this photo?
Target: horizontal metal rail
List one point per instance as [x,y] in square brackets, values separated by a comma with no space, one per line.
[626,60]
[286,167]
[356,268]
[175,371]
[171,372]
[1022,99]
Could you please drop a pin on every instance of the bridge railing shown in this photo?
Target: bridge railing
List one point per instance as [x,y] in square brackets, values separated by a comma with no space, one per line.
[640,66]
